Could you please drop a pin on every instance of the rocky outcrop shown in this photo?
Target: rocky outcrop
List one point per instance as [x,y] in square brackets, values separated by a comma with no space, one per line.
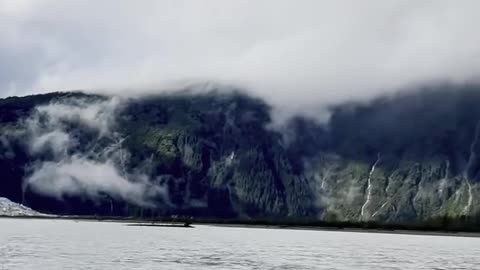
[11,209]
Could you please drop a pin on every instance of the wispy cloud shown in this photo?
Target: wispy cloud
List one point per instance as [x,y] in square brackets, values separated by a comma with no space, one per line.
[72,170]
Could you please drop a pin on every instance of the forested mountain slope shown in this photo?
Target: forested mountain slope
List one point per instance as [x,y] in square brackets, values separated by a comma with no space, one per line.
[401,158]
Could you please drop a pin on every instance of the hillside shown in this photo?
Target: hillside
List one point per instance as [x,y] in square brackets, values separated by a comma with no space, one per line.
[404,158]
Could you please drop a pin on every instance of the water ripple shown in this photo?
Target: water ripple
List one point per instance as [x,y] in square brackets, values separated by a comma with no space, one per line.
[55,244]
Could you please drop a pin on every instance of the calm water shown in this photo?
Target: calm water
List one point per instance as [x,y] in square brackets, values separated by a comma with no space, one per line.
[54,244]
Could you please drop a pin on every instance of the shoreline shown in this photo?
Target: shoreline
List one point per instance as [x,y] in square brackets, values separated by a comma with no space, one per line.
[165,223]
[351,230]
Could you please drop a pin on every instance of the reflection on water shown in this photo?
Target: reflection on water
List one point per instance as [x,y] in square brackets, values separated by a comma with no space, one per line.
[60,244]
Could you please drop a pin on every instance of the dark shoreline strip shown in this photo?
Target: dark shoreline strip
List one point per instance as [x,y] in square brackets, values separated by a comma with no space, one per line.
[314,226]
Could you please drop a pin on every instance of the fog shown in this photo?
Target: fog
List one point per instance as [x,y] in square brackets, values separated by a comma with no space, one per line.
[294,54]
[62,169]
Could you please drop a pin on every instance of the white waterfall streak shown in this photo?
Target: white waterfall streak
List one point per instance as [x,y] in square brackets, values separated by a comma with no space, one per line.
[378,210]
[325,175]
[467,207]
[369,187]
[443,182]
[466,175]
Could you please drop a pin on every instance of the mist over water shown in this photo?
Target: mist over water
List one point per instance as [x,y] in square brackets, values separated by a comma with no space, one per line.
[55,244]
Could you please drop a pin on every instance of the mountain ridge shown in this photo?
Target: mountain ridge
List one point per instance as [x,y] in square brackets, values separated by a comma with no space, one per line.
[404,158]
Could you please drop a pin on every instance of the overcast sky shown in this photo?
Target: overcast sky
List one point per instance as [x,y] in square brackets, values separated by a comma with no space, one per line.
[301,52]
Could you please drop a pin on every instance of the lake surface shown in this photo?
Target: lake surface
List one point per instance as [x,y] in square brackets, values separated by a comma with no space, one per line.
[65,244]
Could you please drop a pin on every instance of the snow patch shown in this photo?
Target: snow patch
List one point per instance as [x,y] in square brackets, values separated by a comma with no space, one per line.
[12,209]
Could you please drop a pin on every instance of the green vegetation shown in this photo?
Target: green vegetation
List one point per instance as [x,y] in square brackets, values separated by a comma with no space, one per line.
[403,162]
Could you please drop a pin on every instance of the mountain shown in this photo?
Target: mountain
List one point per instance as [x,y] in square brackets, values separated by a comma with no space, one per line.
[403,158]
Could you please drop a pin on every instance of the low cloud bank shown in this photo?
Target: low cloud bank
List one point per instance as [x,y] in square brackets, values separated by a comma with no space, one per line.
[293,54]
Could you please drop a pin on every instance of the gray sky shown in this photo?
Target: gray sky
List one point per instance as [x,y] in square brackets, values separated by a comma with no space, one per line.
[301,52]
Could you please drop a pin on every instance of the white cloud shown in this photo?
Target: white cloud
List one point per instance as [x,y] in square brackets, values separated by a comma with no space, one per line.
[92,173]
[302,52]
[46,126]
[77,176]
[99,115]
[56,140]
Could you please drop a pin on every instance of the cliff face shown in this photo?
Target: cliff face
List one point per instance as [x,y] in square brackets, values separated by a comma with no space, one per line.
[404,158]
